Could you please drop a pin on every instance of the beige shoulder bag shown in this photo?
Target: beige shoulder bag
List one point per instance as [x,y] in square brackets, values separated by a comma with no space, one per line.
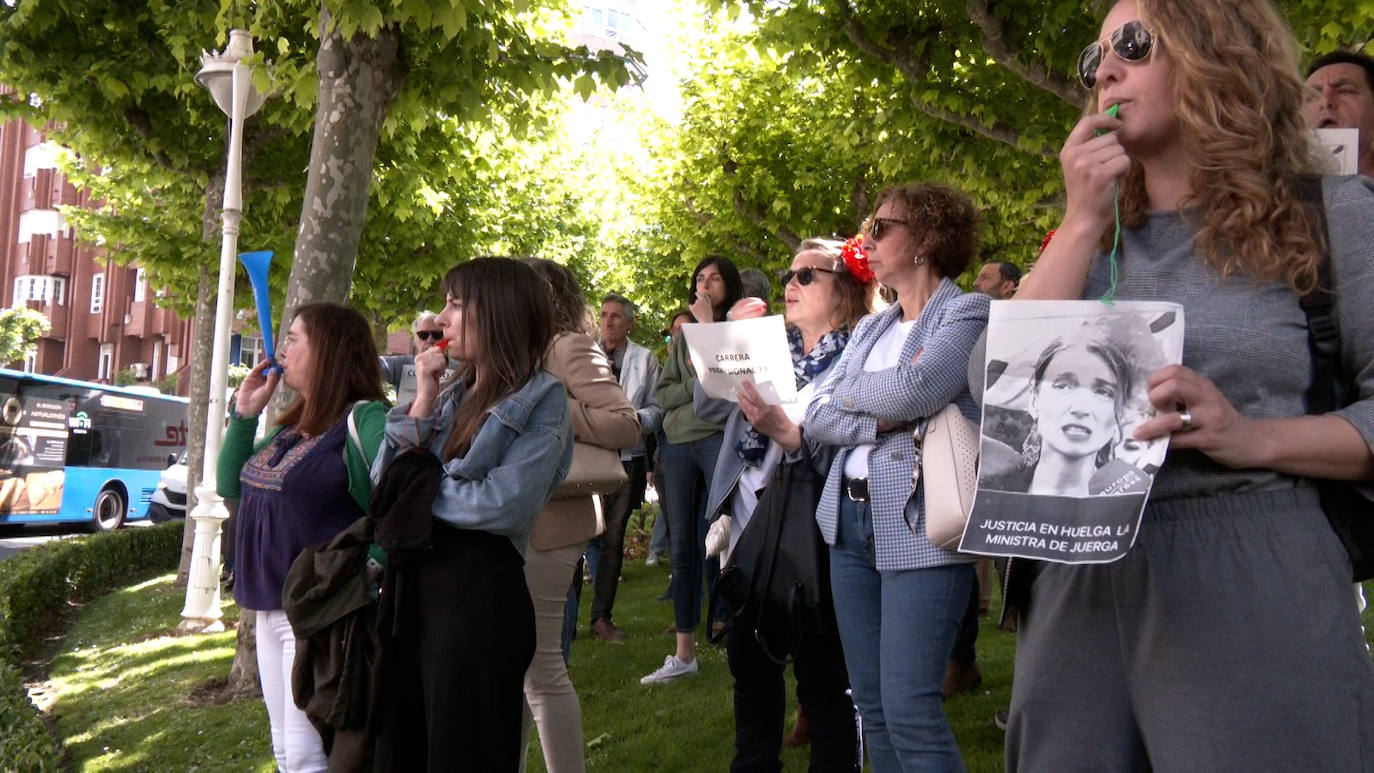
[947,456]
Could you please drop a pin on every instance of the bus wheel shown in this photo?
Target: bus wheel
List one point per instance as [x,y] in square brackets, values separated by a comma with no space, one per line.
[109,511]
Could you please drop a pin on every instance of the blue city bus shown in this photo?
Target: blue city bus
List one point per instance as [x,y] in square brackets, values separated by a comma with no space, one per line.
[77,452]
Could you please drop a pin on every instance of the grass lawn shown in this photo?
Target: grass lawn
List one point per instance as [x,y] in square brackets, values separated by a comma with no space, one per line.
[122,690]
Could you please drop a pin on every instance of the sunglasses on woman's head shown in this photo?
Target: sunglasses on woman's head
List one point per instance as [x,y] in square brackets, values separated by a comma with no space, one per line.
[429,335]
[805,276]
[1132,42]
[882,225]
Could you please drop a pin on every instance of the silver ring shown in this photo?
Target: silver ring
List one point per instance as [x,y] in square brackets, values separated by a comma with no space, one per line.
[1185,416]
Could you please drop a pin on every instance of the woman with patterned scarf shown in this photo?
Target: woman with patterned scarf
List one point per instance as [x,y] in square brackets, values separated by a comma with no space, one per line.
[827,290]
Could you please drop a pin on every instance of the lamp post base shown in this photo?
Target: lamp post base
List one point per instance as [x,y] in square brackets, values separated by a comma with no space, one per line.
[202,611]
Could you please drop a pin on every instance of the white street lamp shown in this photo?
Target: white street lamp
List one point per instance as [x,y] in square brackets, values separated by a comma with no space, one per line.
[231,83]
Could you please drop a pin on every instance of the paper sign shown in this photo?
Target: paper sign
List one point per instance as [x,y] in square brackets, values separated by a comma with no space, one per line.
[1061,476]
[1340,150]
[406,389]
[726,354]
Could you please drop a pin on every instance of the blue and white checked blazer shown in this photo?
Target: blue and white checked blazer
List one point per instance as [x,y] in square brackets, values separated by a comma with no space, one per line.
[931,373]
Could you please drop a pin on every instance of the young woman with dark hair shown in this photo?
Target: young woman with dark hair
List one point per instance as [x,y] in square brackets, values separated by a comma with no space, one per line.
[689,458]
[503,435]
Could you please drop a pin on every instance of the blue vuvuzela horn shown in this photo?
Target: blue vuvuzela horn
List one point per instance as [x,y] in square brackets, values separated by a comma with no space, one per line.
[257,264]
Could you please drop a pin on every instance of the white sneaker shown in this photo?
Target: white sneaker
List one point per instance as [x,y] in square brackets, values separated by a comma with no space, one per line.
[652,560]
[672,669]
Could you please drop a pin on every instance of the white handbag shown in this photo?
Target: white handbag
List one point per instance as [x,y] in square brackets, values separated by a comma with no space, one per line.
[947,456]
[594,470]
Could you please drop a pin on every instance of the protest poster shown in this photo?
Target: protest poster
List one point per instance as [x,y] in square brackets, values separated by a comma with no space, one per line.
[726,354]
[1060,476]
[407,388]
[1339,150]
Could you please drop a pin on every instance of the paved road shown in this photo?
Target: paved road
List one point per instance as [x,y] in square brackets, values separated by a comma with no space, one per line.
[16,538]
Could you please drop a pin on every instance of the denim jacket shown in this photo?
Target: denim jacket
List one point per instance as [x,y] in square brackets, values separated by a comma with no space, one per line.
[931,373]
[521,453]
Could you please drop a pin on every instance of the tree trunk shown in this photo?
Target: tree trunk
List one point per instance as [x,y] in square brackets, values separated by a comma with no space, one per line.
[358,79]
[243,675]
[201,354]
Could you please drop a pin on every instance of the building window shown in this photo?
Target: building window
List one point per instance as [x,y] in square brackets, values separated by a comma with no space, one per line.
[157,358]
[48,289]
[40,156]
[39,221]
[30,362]
[250,348]
[97,293]
[140,282]
[105,369]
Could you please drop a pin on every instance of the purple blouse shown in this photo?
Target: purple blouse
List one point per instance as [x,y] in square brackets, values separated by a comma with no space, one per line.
[294,495]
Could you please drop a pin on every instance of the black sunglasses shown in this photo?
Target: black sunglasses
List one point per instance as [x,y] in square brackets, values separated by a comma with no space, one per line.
[429,335]
[881,225]
[1132,42]
[805,276]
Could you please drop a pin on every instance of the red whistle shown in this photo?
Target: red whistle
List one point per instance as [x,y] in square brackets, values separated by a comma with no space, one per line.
[443,344]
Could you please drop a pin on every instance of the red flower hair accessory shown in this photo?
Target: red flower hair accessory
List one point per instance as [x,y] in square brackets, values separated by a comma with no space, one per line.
[1046,241]
[855,256]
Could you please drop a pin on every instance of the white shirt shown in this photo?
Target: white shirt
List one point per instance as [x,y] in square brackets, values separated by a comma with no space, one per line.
[884,354]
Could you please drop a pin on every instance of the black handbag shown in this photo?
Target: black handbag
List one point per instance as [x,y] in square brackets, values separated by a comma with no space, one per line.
[776,581]
[1350,512]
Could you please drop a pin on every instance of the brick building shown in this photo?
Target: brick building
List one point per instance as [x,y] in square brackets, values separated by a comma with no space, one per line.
[103,316]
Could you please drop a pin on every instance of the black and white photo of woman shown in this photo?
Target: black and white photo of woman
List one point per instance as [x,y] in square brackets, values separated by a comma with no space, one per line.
[1068,430]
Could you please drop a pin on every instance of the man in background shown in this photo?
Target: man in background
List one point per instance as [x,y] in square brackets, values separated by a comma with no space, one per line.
[997,279]
[755,284]
[398,370]
[636,369]
[1342,97]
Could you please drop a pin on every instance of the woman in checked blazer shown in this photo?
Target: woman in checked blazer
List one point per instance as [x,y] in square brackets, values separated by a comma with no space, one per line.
[898,598]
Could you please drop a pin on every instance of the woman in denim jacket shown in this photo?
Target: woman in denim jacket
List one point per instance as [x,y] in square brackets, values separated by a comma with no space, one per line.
[899,598]
[504,436]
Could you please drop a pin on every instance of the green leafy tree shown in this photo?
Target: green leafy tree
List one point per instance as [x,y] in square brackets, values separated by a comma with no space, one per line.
[795,120]
[20,330]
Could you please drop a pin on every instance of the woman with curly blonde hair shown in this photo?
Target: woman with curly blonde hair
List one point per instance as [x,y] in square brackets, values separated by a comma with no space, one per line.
[1227,637]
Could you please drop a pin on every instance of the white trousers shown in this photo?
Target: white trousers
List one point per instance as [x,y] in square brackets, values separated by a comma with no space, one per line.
[295,743]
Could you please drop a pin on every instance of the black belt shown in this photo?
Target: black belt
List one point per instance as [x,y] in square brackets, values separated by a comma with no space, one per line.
[856,489]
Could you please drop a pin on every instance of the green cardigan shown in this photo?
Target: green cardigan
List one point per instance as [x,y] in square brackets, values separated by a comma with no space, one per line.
[370,418]
[676,384]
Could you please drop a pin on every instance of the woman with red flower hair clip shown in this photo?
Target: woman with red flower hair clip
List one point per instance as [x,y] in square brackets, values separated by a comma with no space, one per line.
[765,449]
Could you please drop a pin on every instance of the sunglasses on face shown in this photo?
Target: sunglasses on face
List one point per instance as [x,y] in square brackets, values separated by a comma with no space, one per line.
[805,276]
[882,225]
[1132,42]
[429,335]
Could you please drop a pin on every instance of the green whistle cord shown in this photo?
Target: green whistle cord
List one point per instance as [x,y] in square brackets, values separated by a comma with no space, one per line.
[1109,297]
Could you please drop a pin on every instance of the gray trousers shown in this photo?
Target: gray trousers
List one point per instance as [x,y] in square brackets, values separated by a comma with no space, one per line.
[1225,640]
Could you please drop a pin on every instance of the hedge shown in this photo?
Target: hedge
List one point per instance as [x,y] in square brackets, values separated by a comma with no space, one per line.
[36,590]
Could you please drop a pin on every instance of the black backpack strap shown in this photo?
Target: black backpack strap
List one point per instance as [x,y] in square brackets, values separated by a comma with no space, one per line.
[1323,335]
[1349,512]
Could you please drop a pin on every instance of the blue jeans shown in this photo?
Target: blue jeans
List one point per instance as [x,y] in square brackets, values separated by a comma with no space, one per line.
[688,467]
[897,629]
[658,540]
